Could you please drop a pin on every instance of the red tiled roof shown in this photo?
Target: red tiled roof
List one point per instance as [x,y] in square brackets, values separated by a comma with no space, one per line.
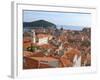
[71,53]
[47,46]
[65,62]
[32,54]
[27,39]
[27,54]
[44,59]
[42,35]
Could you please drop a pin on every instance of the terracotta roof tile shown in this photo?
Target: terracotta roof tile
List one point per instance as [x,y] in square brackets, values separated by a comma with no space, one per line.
[42,35]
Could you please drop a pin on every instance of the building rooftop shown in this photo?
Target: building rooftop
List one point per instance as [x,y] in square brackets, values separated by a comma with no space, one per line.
[42,35]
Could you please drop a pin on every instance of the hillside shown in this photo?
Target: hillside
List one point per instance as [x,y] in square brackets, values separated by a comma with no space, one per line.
[39,23]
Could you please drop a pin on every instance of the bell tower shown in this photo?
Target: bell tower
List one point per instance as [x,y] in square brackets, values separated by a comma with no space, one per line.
[33,36]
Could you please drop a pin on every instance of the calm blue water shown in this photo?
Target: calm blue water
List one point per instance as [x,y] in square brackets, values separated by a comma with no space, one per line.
[70,27]
[59,26]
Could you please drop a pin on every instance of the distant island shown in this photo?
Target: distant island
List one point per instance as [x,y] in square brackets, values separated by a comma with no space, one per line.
[39,24]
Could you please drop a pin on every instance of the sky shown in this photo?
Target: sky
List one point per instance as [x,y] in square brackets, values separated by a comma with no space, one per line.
[59,18]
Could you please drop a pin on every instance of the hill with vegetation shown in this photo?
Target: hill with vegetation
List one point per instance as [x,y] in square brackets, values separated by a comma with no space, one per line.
[39,24]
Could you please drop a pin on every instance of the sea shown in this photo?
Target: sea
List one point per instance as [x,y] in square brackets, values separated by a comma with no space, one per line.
[67,27]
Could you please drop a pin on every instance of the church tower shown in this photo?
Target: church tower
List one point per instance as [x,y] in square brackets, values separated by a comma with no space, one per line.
[33,36]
